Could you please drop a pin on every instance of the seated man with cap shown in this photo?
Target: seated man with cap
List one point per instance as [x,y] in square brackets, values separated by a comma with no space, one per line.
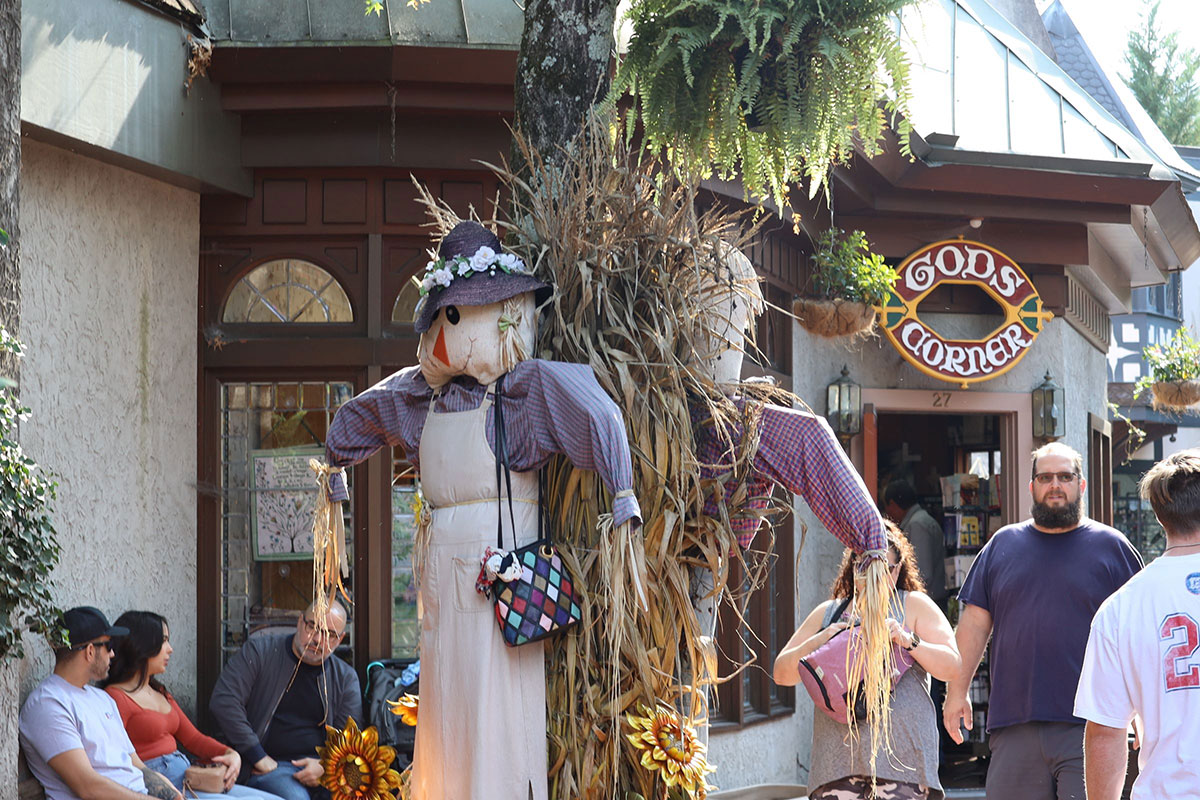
[71,731]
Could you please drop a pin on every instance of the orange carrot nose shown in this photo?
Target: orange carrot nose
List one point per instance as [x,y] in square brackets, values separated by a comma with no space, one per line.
[439,347]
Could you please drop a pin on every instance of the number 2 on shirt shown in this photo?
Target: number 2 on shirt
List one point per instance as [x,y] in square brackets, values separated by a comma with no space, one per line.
[1180,651]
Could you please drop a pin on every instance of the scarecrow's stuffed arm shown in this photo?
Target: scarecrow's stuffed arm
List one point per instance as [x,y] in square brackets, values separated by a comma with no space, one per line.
[566,412]
[390,413]
[798,450]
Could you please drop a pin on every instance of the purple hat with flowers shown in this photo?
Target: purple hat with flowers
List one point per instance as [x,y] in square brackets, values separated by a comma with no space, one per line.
[472,270]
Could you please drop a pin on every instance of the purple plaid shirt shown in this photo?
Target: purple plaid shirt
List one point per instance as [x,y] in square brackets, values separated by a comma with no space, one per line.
[796,449]
[549,407]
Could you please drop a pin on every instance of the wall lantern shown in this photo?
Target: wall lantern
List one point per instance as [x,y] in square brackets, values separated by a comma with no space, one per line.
[1048,418]
[843,407]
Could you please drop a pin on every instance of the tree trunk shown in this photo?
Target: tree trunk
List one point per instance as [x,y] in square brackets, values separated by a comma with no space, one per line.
[10,170]
[10,296]
[562,69]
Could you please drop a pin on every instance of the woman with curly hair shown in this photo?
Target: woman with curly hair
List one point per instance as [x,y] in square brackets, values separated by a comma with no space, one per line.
[840,767]
[155,723]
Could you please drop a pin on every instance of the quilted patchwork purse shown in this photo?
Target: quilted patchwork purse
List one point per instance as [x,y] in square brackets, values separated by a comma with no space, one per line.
[543,600]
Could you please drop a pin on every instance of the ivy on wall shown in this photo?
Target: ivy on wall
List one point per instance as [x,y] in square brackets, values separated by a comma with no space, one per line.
[28,545]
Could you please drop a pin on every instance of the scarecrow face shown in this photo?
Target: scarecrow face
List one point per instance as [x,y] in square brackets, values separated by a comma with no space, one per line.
[480,341]
[731,301]
[727,321]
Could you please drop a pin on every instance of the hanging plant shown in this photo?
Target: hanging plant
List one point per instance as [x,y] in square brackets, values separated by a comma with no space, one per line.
[1173,372]
[846,283]
[776,90]
[28,545]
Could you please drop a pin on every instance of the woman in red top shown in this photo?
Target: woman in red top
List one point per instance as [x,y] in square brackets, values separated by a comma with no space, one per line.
[155,723]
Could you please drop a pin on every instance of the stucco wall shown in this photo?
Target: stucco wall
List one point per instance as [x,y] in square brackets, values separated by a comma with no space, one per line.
[108,283]
[779,751]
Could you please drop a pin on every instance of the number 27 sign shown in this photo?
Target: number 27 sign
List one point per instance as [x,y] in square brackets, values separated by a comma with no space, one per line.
[963,361]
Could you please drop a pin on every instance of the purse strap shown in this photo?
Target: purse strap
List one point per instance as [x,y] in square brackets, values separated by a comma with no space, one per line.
[502,468]
[837,614]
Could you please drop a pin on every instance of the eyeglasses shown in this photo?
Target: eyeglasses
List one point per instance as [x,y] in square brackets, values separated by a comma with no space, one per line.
[311,628]
[109,643]
[1046,478]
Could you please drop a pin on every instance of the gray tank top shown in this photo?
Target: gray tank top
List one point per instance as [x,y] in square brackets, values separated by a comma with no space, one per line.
[914,734]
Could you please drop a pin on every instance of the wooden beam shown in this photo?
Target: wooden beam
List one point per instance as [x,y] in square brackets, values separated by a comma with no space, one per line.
[376,96]
[968,206]
[1034,242]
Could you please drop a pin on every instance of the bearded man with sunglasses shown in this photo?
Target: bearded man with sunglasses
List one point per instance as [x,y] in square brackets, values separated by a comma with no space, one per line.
[70,731]
[1035,587]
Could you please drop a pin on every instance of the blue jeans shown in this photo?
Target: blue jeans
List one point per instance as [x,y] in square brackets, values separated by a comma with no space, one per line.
[280,782]
[173,765]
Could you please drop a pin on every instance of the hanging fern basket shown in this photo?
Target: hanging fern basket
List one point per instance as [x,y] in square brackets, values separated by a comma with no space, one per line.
[1175,395]
[774,92]
[834,318]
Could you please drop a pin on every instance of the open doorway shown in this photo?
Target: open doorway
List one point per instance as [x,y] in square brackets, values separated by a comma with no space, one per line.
[955,463]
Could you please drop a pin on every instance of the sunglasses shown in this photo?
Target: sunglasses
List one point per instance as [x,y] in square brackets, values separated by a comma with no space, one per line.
[109,643]
[1046,478]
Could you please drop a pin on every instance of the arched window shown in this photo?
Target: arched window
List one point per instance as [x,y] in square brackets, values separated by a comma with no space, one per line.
[406,303]
[288,290]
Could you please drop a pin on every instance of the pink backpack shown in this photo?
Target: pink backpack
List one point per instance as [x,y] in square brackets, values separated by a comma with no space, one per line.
[823,671]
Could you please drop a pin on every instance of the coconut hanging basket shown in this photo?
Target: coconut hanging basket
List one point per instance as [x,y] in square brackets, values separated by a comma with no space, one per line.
[1175,395]
[833,318]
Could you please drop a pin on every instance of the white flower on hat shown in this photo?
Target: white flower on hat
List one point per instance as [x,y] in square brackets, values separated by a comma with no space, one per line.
[441,273]
[510,262]
[483,258]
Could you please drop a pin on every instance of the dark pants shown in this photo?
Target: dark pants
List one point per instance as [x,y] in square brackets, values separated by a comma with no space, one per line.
[1036,761]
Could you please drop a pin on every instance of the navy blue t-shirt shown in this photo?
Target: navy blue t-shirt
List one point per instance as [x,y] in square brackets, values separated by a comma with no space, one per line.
[1042,590]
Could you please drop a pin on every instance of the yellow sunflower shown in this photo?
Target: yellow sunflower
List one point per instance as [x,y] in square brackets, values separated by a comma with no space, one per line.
[356,766]
[406,709]
[669,745]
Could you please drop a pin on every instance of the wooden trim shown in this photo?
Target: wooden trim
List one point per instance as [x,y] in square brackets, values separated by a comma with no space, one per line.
[1015,410]
[870,450]
[1099,469]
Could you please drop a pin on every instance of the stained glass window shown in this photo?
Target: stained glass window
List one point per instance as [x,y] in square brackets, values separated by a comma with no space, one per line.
[288,290]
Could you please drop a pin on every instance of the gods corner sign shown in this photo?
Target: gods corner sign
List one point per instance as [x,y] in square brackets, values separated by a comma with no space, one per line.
[963,361]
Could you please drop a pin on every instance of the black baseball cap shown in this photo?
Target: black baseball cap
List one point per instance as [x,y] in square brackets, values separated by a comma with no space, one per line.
[85,623]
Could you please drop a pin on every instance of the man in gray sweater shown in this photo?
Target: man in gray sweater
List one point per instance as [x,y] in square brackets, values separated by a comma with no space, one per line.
[275,697]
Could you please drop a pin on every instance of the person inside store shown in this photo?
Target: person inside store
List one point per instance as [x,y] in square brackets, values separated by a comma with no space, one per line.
[1140,655]
[70,731]
[277,694]
[1034,589]
[155,723]
[900,503]
[841,771]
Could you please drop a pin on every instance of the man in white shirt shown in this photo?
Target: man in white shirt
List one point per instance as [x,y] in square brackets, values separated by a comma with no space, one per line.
[1143,655]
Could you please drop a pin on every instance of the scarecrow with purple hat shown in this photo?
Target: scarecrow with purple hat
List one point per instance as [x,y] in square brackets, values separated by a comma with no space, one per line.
[482,731]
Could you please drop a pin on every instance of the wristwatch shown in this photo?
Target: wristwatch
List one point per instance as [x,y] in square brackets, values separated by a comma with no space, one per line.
[916,640]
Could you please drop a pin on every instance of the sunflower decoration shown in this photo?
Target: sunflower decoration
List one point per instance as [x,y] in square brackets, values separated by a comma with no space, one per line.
[669,746]
[406,709]
[356,766]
